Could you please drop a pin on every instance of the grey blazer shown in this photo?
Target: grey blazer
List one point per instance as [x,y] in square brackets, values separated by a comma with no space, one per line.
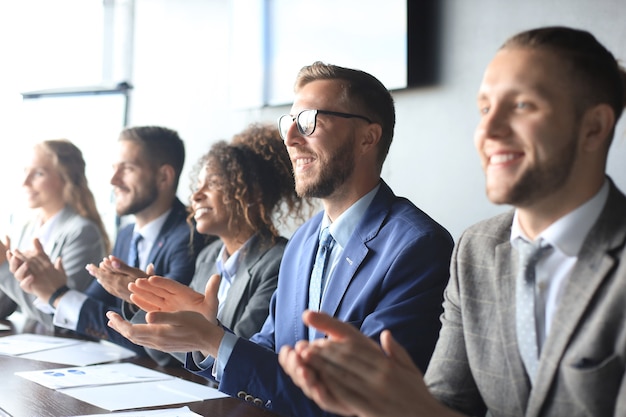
[75,239]
[476,365]
[247,304]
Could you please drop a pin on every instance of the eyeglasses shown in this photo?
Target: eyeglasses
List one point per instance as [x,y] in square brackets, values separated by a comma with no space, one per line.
[306,121]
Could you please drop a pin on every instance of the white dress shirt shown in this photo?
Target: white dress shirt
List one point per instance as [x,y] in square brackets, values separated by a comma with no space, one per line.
[67,313]
[566,236]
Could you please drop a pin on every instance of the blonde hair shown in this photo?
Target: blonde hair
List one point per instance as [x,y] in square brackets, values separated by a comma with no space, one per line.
[68,161]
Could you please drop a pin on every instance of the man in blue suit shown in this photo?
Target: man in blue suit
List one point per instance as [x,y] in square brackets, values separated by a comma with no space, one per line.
[145,180]
[388,261]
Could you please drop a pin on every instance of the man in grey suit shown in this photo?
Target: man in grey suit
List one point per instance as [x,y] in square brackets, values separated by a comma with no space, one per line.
[549,103]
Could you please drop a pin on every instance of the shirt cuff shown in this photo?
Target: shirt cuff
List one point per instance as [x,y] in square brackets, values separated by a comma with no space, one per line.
[223,355]
[43,306]
[68,309]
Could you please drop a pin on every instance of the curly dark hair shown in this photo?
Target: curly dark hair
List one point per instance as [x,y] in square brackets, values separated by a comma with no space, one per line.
[257,179]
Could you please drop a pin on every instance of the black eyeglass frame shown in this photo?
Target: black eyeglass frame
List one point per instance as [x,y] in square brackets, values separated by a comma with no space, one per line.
[316,112]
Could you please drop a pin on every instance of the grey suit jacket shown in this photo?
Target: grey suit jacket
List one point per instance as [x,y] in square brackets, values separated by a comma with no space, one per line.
[476,365]
[75,239]
[247,304]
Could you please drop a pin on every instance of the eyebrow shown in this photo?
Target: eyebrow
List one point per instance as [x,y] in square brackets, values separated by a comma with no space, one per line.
[539,90]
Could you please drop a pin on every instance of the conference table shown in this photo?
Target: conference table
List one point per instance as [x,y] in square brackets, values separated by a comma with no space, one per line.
[20,397]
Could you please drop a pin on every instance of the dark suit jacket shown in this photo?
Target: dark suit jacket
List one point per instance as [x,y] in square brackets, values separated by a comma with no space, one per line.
[172,256]
[391,276]
[477,365]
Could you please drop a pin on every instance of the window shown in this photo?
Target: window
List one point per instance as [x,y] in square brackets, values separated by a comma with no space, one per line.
[61,46]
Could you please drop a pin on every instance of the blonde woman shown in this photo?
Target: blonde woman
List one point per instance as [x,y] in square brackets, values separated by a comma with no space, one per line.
[66,225]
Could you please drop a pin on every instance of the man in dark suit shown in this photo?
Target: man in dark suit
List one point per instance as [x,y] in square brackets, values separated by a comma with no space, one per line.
[145,180]
[387,267]
[549,103]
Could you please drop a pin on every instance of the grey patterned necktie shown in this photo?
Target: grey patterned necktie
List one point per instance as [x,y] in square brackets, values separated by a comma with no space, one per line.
[318,275]
[526,327]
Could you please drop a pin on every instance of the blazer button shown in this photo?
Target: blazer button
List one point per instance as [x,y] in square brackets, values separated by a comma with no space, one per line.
[249,398]
[241,394]
[258,401]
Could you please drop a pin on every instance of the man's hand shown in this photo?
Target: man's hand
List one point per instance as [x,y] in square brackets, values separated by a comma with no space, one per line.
[115,276]
[36,273]
[162,294]
[348,373]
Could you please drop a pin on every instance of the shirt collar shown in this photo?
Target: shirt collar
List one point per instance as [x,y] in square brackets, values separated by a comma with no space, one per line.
[150,231]
[45,230]
[343,227]
[568,233]
[227,265]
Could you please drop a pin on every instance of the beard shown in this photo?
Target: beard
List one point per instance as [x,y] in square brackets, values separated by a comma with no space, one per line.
[140,201]
[333,173]
[540,181]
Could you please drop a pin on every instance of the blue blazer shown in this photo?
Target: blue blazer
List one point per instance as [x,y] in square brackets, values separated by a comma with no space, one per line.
[392,276]
[172,256]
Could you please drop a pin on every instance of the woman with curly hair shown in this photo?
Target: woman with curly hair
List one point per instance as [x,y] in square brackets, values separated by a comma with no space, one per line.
[243,188]
[66,224]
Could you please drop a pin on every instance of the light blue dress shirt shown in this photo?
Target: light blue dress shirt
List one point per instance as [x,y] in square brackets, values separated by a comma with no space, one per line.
[566,236]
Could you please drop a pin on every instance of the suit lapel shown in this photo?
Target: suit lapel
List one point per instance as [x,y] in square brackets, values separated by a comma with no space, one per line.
[156,248]
[235,292]
[348,264]
[579,290]
[356,250]
[178,209]
[505,266]
[593,265]
[205,266]
[54,244]
[239,285]
[302,280]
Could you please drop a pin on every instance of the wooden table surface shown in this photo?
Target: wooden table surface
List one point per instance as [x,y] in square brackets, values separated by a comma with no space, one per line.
[20,397]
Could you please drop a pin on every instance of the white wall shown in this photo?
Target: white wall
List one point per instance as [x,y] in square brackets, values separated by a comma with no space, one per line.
[182,79]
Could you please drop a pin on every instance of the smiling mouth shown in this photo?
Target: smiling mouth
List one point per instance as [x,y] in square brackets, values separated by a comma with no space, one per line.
[200,212]
[503,158]
[302,163]
[120,190]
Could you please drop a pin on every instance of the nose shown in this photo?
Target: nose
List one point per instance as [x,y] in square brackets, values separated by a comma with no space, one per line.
[27,180]
[198,195]
[293,136]
[115,178]
[495,124]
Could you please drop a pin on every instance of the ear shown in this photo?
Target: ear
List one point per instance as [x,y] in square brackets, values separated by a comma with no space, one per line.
[596,126]
[371,137]
[165,176]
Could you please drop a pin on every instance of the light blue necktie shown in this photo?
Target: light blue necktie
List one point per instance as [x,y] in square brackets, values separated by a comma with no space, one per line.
[133,251]
[316,286]
[525,316]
